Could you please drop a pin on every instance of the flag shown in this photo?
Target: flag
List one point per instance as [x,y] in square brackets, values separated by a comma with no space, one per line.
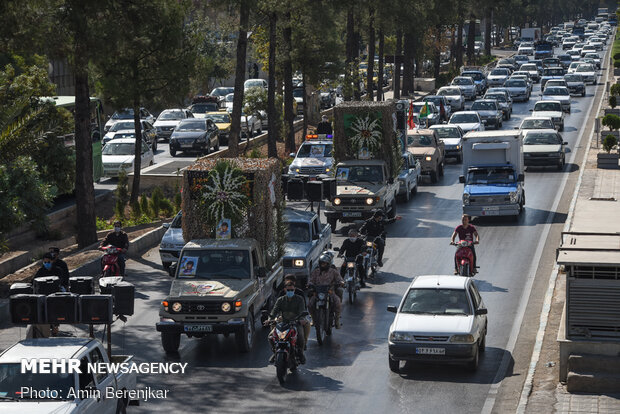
[410,121]
[425,111]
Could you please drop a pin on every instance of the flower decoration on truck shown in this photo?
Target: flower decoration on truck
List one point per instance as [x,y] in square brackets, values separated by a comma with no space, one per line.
[367,133]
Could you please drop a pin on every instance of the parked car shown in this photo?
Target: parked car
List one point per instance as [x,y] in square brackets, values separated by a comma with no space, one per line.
[467,85]
[168,119]
[575,83]
[298,96]
[119,155]
[452,136]
[439,319]
[172,242]
[558,93]
[454,96]
[255,83]
[195,135]
[551,109]
[489,111]
[127,114]
[467,120]
[537,122]
[544,147]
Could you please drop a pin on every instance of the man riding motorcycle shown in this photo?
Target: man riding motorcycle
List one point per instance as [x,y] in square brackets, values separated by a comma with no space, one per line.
[351,248]
[298,291]
[289,307]
[325,275]
[468,232]
[375,227]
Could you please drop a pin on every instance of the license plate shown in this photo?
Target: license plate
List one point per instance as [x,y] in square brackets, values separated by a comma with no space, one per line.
[430,351]
[349,279]
[352,214]
[186,145]
[490,211]
[198,328]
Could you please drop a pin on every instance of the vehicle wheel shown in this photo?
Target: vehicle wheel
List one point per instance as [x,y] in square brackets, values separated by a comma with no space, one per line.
[245,336]
[120,407]
[318,326]
[394,365]
[150,163]
[407,195]
[260,131]
[217,146]
[173,152]
[414,190]
[281,367]
[351,289]
[473,364]
[329,324]
[440,169]
[501,125]
[154,146]
[483,343]
[433,177]
[561,128]
[108,272]
[583,94]
[459,158]
[333,223]
[166,265]
[170,342]
[561,164]
[392,213]
[206,150]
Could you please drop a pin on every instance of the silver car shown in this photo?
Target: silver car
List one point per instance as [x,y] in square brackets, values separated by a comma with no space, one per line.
[575,83]
[518,89]
[172,242]
[544,147]
[558,93]
[454,96]
[504,101]
[489,111]
[467,85]
[588,72]
[498,76]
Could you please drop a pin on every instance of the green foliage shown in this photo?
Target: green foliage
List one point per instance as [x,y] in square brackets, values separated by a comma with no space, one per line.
[609,143]
[255,100]
[166,207]
[155,203]
[136,211]
[611,121]
[144,205]
[612,101]
[103,224]
[178,200]
[122,195]
[615,89]
[255,153]
[616,63]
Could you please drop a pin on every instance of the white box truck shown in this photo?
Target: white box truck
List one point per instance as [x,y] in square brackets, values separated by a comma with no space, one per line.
[493,174]
[531,34]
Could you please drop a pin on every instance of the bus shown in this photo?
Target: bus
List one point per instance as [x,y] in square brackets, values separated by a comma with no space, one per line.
[96,128]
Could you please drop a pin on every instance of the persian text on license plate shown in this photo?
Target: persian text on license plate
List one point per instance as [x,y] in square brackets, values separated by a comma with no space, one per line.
[352,214]
[430,351]
[198,328]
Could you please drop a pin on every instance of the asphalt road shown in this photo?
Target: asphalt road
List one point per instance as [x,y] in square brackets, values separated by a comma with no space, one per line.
[349,373]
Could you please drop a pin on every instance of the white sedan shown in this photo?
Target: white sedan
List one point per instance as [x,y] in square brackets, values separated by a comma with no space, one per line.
[118,155]
[467,120]
[454,96]
[588,72]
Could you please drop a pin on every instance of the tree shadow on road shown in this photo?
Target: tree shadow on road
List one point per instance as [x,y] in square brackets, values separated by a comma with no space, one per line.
[484,286]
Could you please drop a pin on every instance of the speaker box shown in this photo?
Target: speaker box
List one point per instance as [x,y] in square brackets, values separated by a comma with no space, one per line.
[82,285]
[123,293]
[314,190]
[96,309]
[295,189]
[27,309]
[106,284]
[46,285]
[62,307]
[21,289]
[329,188]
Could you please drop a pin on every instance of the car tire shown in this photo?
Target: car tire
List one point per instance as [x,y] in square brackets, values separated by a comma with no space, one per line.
[561,128]
[392,213]
[120,407]
[154,145]
[414,190]
[217,145]
[459,158]
[170,342]
[244,337]
[583,94]
[166,266]
[173,152]
[333,223]
[473,364]
[394,365]
[440,169]
[433,177]
[483,343]
[562,163]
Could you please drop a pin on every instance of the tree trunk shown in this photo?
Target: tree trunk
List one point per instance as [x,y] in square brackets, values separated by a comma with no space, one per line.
[408,65]
[452,45]
[348,81]
[289,115]
[459,45]
[370,87]
[397,63]
[487,31]
[84,188]
[242,43]
[437,65]
[380,69]
[272,149]
[137,163]
[471,39]
[306,109]
[357,94]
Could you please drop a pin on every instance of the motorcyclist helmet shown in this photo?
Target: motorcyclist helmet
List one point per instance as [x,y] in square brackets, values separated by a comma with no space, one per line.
[324,259]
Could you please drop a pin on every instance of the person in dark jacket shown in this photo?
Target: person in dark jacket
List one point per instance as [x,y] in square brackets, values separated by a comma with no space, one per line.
[48,269]
[119,239]
[298,292]
[290,307]
[375,227]
[61,264]
[351,248]
[324,127]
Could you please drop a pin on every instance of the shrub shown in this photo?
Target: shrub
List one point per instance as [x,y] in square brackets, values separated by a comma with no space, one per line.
[178,199]
[136,210]
[615,89]
[616,56]
[144,205]
[616,63]
[167,207]
[611,121]
[255,153]
[103,224]
[122,195]
[155,203]
[609,143]
[612,101]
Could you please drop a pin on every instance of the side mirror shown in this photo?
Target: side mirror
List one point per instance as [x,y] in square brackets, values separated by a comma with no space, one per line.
[462,179]
[172,270]
[482,311]
[316,237]
[520,178]
[166,225]
[292,155]
[262,272]
[392,308]
[336,249]
[564,143]
[531,110]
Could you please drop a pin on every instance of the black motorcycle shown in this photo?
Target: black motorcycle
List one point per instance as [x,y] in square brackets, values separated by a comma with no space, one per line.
[371,256]
[323,313]
[351,277]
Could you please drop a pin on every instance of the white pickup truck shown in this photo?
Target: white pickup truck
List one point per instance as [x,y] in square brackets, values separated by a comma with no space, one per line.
[62,393]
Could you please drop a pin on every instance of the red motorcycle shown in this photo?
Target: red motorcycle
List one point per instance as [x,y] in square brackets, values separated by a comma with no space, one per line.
[283,339]
[109,262]
[464,258]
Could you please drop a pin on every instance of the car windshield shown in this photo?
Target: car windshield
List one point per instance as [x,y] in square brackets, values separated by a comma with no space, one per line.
[436,302]
[177,222]
[592,56]
[254,84]
[490,176]
[555,91]
[193,125]
[13,381]
[499,72]
[118,148]
[449,92]
[463,119]
[548,106]
[515,83]
[542,138]
[297,232]
[498,97]
[202,108]
[359,173]
[315,151]
[537,124]
[124,114]
[418,140]
[474,75]
[553,72]
[462,81]
[573,78]
[298,93]
[529,67]
[585,68]
[214,264]
[119,126]
[170,115]
[436,100]
[483,106]
[447,132]
[555,82]
[417,107]
[229,97]
[219,118]
[221,91]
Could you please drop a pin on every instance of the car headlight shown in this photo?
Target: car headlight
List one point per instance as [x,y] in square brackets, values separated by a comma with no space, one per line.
[299,263]
[350,265]
[401,337]
[513,197]
[226,307]
[466,339]
[337,201]
[466,199]
[428,158]
[368,244]
[370,201]
[202,138]
[458,147]
[176,307]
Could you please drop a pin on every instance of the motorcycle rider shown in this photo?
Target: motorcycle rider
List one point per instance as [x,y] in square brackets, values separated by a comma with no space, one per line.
[61,264]
[325,275]
[119,239]
[290,307]
[299,292]
[351,248]
[468,232]
[375,227]
[324,127]
[48,269]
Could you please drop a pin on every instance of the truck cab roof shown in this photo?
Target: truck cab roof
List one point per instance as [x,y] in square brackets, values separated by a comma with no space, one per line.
[58,348]
[361,162]
[292,215]
[220,244]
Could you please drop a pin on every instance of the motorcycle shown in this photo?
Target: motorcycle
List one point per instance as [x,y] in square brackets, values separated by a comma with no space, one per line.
[351,278]
[464,258]
[283,337]
[109,262]
[323,314]
[370,257]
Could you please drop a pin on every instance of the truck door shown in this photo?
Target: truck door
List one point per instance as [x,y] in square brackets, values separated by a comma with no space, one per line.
[103,381]
[261,294]
[86,386]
